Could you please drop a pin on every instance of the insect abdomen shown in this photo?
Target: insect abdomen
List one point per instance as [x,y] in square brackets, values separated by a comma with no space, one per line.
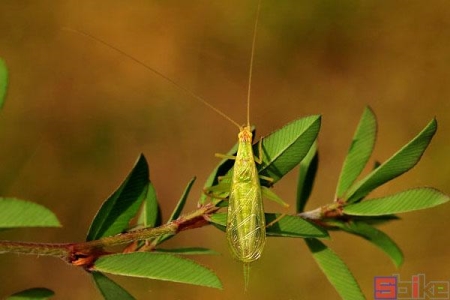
[246,230]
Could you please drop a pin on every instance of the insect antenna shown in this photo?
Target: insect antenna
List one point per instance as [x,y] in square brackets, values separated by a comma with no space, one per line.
[141,63]
[252,56]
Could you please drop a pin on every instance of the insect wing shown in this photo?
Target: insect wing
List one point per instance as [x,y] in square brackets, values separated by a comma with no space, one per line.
[246,230]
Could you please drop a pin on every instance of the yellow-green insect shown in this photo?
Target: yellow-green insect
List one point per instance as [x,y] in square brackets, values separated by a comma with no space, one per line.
[246,223]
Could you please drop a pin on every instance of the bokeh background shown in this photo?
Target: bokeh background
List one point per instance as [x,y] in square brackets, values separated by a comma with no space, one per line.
[78,114]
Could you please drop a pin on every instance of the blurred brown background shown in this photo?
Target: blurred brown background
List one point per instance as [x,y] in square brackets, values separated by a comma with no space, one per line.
[78,114]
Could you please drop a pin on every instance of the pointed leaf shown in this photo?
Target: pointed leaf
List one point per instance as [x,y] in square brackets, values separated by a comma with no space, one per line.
[109,289]
[32,294]
[161,266]
[285,148]
[399,163]
[177,211]
[359,152]
[180,205]
[414,199]
[151,213]
[116,212]
[288,226]
[306,177]
[3,82]
[376,237]
[19,213]
[335,270]
[189,251]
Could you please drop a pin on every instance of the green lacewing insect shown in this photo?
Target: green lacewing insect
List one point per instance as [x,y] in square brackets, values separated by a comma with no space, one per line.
[246,225]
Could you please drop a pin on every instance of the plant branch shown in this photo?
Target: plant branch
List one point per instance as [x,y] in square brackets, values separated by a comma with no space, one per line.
[332,210]
[85,253]
[50,249]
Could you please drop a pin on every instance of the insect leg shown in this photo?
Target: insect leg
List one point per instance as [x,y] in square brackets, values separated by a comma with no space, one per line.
[259,158]
[226,156]
[266,178]
[219,191]
[276,220]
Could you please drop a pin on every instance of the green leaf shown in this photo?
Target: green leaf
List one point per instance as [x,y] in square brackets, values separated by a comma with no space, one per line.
[116,212]
[109,289]
[399,163]
[376,220]
[288,226]
[335,270]
[219,220]
[293,226]
[160,266]
[19,213]
[285,148]
[414,199]
[359,152]
[189,251]
[180,205]
[376,237]
[150,212]
[32,294]
[338,224]
[177,211]
[3,82]
[150,215]
[306,177]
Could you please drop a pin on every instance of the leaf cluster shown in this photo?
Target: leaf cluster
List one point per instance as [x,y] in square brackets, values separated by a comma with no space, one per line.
[131,214]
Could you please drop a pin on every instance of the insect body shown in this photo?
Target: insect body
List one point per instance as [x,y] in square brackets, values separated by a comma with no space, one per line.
[246,224]
[246,229]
